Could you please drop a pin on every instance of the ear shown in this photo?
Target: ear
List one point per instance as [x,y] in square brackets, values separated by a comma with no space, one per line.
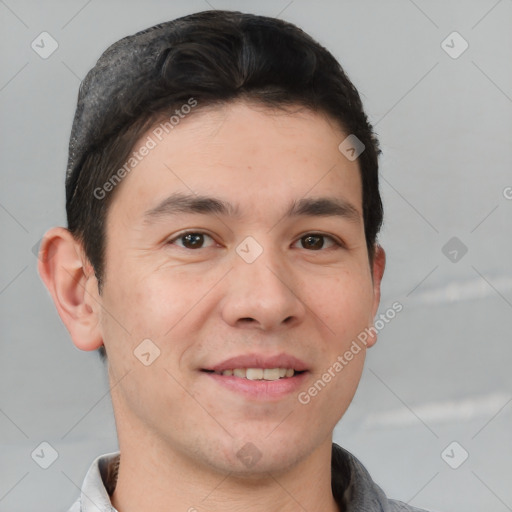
[73,286]
[379,264]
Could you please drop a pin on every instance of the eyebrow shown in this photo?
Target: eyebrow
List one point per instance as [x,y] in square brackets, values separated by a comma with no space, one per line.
[197,204]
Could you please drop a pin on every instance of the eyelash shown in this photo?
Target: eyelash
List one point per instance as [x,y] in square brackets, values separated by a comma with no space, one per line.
[337,244]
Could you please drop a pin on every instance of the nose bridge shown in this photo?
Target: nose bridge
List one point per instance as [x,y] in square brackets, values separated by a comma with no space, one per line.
[261,289]
[262,275]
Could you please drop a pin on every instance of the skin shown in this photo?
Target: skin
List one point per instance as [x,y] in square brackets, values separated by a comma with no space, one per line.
[179,432]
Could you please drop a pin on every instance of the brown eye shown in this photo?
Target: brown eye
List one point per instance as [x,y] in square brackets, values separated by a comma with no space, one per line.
[318,241]
[313,242]
[192,240]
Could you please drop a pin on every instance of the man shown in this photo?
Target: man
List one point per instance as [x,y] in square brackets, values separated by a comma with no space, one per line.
[221,250]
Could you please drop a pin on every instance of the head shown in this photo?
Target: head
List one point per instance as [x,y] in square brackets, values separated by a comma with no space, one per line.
[227,126]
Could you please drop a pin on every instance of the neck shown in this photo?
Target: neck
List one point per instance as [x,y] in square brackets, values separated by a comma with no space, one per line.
[155,476]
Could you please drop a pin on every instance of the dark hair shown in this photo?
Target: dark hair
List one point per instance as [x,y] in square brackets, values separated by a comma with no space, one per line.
[213,57]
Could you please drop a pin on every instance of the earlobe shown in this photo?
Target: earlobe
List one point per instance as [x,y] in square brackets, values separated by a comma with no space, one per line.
[379,265]
[63,271]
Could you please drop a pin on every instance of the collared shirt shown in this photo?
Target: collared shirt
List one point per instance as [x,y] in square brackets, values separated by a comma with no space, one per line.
[352,487]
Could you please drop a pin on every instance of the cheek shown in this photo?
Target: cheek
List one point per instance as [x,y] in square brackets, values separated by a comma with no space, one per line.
[144,302]
[344,305]
[343,302]
[155,306]
[142,308]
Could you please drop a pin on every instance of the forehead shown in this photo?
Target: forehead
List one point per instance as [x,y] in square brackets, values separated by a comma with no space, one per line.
[247,154]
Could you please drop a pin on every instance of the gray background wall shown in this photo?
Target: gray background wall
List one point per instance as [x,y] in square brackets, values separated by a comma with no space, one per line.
[441,369]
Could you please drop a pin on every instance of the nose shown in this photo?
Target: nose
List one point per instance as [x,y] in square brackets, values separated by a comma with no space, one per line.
[262,295]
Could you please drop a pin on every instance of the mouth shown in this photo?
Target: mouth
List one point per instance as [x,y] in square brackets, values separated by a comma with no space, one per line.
[260,377]
[268,374]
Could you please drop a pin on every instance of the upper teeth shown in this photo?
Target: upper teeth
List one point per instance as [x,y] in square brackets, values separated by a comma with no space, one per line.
[260,373]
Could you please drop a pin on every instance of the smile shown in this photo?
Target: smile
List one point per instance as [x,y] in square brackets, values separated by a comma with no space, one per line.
[258,373]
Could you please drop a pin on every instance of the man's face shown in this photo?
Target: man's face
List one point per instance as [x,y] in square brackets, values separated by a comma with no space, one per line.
[250,281]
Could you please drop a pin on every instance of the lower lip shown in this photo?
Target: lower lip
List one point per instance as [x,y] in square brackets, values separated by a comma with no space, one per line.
[261,389]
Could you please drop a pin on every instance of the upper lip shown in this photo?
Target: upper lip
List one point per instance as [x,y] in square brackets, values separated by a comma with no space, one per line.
[260,361]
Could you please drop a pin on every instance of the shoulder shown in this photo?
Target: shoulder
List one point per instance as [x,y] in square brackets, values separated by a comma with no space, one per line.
[398,506]
[354,489]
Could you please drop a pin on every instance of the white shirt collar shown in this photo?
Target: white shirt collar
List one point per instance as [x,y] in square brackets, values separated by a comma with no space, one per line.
[94,496]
